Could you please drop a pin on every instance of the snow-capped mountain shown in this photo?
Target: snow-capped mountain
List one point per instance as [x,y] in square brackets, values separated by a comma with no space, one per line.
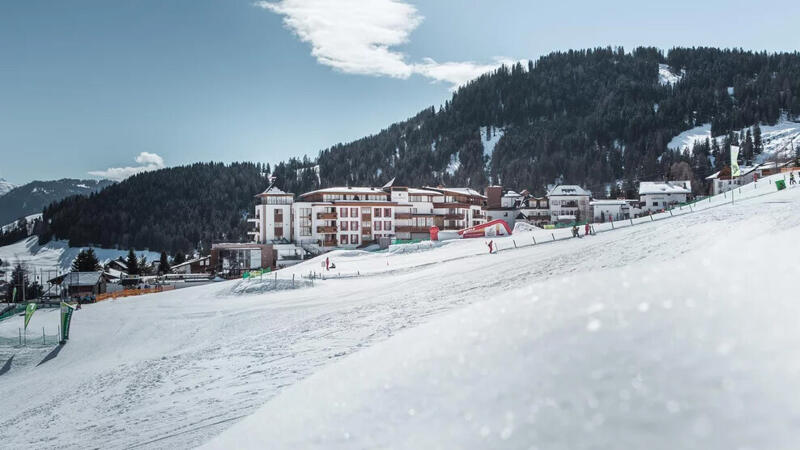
[31,198]
[5,187]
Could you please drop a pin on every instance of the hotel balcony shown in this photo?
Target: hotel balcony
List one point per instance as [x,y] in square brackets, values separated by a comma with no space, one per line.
[411,229]
[326,229]
[326,216]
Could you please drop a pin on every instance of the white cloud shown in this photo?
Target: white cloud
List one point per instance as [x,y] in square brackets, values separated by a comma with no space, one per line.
[357,36]
[147,161]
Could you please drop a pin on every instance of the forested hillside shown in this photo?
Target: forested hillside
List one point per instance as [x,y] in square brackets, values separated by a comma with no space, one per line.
[601,118]
[590,116]
[174,209]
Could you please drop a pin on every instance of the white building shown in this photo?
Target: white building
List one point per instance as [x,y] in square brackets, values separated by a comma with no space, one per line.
[273,218]
[659,195]
[414,215]
[610,210]
[568,202]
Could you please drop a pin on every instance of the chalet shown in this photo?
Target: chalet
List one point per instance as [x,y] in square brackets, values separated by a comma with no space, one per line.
[568,203]
[660,195]
[81,284]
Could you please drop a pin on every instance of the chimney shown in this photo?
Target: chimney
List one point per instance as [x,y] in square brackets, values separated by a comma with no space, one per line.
[493,197]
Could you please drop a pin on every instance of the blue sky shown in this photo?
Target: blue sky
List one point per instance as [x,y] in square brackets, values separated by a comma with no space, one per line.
[86,86]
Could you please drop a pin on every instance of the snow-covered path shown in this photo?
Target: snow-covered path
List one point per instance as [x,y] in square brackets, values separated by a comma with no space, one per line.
[177,368]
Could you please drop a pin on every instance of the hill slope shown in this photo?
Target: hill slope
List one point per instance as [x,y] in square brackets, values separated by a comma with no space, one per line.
[5,186]
[32,197]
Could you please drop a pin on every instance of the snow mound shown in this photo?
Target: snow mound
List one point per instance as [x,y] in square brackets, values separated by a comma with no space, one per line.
[522,227]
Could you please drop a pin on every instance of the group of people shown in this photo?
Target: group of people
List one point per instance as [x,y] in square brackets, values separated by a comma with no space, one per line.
[576,232]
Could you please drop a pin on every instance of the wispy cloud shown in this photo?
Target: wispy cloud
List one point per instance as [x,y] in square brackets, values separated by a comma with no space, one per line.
[360,37]
[147,161]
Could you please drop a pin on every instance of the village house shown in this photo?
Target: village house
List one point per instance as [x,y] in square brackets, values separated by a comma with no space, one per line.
[568,203]
[659,195]
[610,210]
[193,266]
[235,258]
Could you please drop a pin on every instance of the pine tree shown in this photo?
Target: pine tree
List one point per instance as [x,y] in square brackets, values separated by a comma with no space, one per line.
[757,144]
[86,261]
[132,263]
[144,267]
[179,258]
[163,263]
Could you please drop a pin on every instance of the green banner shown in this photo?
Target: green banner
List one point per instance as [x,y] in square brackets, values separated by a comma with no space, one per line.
[14,295]
[66,318]
[780,184]
[29,310]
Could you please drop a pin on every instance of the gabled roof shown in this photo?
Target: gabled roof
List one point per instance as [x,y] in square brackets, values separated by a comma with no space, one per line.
[665,187]
[273,191]
[568,189]
[191,261]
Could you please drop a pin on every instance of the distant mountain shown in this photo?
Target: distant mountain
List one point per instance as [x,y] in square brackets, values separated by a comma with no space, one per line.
[5,186]
[31,198]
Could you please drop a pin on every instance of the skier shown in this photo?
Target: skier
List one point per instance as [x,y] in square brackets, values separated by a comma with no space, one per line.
[791,178]
[327,264]
[490,244]
[586,229]
[574,231]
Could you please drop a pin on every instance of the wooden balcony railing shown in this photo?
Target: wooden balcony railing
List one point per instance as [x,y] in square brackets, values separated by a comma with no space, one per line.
[326,229]
[326,216]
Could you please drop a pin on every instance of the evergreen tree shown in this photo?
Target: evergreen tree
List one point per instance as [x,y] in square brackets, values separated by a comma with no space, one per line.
[132,263]
[179,258]
[757,144]
[144,267]
[86,261]
[163,263]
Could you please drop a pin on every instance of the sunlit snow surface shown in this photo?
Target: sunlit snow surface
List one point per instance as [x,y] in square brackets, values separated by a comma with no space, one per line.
[676,333]
[779,140]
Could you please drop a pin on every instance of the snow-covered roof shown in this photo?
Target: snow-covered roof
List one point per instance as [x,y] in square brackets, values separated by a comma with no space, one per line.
[665,187]
[273,190]
[345,190]
[80,278]
[461,191]
[511,194]
[418,191]
[608,202]
[191,261]
[568,189]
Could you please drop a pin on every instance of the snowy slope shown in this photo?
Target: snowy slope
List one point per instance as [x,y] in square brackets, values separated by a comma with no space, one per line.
[176,369]
[641,354]
[776,138]
[57,255]
[666,77]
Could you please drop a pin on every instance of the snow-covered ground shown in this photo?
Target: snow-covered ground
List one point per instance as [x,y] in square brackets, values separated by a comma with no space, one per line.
[57,255]
[776,139]
[676,333]
[666,76]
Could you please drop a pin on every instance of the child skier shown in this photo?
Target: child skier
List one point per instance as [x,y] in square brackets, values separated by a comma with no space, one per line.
[587,229]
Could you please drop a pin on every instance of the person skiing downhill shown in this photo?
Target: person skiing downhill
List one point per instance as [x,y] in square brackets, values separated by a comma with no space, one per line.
[587,229]
[327,264]
[490,244]
[791,178]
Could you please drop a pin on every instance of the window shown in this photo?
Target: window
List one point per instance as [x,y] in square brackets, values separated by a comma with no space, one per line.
[278,231]
[278,215]
[353,212]
[387,212]
[343,239]
[655,203]
[366,225]
[344,225]
[377,226]
[354,239]
[378,212]
[305,212]
[387,225]
[353,225]
[343,212]
[366,210]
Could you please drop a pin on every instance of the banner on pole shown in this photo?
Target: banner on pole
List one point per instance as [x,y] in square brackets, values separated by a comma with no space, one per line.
[66,317]
[29,310]
[735,161]
[14,295]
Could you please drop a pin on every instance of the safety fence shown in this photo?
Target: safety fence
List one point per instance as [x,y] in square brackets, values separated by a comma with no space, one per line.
[32,337]
[133,292]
